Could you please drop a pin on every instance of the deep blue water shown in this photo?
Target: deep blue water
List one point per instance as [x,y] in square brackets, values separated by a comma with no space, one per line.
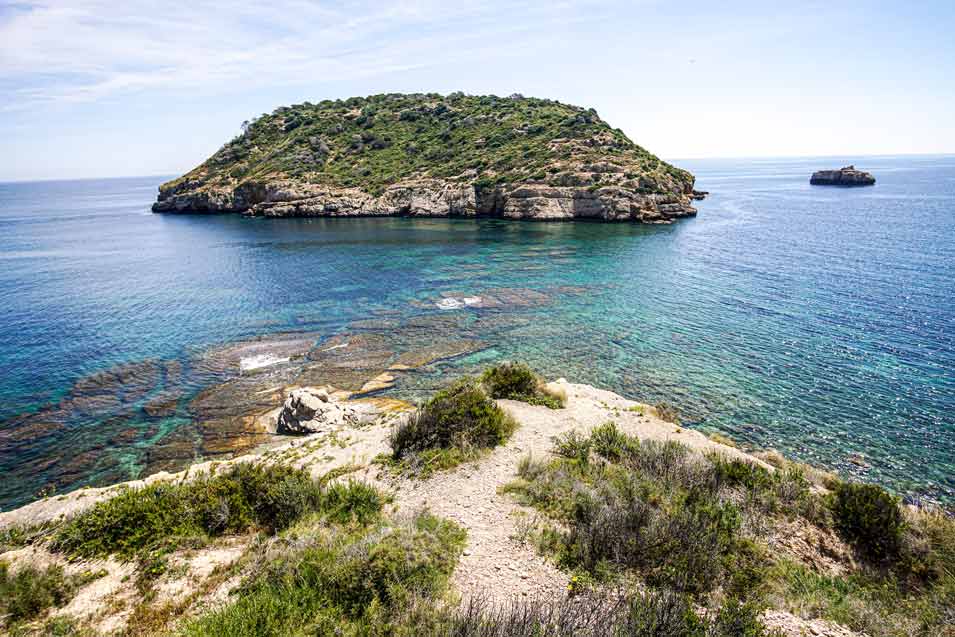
[820,321]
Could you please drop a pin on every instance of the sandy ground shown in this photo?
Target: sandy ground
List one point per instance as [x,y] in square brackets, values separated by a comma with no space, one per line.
[497,563]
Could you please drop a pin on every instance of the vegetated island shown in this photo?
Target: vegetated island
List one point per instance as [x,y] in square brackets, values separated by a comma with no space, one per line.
[845,176]
[503,506]
[434,156]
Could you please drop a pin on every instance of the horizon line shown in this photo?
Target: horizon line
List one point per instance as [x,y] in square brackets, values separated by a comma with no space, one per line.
[669,161]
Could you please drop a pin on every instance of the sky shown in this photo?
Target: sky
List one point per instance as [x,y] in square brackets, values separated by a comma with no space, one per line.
[94,88]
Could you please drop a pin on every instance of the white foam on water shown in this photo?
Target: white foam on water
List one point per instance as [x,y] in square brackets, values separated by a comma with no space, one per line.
[451,303]
[259,361]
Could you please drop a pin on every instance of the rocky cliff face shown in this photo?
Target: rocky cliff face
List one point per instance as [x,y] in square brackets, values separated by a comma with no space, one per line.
[845,176]
[428,155]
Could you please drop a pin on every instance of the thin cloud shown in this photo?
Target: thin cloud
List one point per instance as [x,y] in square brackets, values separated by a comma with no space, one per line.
[86,50]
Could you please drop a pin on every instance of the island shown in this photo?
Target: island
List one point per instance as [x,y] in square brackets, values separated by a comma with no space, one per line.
[430,155]
[845,176]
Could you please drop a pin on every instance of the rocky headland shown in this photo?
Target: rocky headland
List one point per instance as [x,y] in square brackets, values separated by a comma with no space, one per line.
[586,501]
[434,156]
[498,566]
[845,176]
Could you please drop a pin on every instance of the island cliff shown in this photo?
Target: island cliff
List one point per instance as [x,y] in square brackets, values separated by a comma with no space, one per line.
[436,156]
[845,176]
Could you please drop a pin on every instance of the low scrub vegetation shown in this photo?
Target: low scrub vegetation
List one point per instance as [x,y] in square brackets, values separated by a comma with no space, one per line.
[244,497]
[455,425]
[648,614]
[517,381]
[375,141]
[342,580]
[30,591]
[870,518]
[700,525]
[148,524]
[654,508]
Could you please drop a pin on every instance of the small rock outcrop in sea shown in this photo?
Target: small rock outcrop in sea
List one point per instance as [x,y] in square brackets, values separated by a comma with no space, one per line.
[309,410]
[845,176]
[427,155]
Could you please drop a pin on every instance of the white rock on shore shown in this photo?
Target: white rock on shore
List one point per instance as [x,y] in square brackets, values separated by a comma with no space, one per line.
[310,410]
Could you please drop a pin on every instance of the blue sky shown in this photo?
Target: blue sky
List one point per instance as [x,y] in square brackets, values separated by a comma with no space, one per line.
[92,88]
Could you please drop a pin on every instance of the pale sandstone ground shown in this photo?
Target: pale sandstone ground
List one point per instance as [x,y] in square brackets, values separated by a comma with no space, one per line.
[497,563]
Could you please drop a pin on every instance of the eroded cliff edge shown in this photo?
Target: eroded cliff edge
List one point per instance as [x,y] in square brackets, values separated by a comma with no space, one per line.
[436,156]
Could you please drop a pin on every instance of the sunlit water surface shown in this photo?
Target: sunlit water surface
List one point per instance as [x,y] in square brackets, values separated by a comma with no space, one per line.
[819,321]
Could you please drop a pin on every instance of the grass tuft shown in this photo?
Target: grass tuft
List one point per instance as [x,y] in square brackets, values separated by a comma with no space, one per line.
[667,412]
[31,591]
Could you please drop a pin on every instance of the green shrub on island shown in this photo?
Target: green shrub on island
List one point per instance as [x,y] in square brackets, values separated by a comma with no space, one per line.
[455,425]
[241,498]
[375,141]
[517,381]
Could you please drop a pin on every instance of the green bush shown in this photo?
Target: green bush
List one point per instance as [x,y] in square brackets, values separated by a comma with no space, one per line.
[573,446]
[164,515]
[517,381]
[646,506]
[352,502]
[32,591]
[611,443]
[870,518]
[343,581]
[454,425]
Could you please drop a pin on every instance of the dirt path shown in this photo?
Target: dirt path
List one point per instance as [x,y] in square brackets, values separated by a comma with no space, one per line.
[498,564]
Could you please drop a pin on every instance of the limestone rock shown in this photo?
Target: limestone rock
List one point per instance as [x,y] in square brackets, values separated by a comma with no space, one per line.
[845,176]
[309,410]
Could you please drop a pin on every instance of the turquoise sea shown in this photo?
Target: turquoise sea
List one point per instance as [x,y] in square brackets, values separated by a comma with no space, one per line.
[819,321]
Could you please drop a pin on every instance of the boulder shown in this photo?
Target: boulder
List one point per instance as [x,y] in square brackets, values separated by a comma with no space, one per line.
[309,410]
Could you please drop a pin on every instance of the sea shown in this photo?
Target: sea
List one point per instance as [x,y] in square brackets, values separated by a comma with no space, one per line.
[818,321]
